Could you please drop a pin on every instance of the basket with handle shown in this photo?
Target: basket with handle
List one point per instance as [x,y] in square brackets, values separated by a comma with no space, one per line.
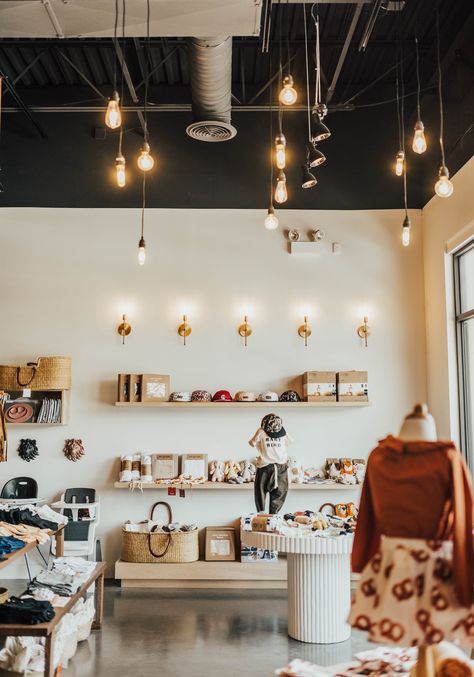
[160,548]
[47,373]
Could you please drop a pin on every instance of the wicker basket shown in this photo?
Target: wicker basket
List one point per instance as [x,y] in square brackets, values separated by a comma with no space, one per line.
[159,548]
[48,373]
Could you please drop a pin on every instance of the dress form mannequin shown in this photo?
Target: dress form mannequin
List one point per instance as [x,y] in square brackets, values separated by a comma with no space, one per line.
[420,426]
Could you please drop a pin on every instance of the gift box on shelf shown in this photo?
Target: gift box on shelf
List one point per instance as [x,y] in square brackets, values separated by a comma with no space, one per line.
[352,386]
[220,544]
[165,466]
[319,386]
[194,466]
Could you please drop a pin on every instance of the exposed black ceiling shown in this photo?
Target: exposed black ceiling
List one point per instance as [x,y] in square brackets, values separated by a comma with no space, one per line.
[76,74]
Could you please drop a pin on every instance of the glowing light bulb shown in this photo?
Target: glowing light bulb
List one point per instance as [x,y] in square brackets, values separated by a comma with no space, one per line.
[280,145]
[271,220]
[444,187]
[419,142]
[288,93]
[120,169]
[406,231]
[399,163]
[145,161]
[141,252]
[113,116]
[281,194]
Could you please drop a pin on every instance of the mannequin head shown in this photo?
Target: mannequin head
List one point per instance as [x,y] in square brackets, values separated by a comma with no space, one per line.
[419,426]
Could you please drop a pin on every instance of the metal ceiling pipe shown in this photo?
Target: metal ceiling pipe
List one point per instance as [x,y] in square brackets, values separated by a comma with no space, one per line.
[210,64]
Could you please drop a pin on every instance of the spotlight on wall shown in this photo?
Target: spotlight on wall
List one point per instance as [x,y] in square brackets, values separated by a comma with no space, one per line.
[124,328]
[304,330]
[245,330]
[184,329]
[363,331]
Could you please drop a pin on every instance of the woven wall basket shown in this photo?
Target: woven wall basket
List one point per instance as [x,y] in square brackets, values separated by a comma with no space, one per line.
[48,373]
[160,548]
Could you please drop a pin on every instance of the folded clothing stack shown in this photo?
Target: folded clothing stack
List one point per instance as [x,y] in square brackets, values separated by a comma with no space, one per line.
[74,566]
[26,611]
[135,468]
[9,544]
[64,585]
[36,516]
[25,532]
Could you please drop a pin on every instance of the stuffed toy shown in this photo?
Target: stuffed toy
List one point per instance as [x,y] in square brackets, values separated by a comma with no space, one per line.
[347,472]
[247,471]
[217,471]
[232,470]
[333,472]
[359,472]
[319,522]
[295,470]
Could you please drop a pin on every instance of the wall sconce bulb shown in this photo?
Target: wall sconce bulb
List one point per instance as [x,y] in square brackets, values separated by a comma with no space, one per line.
[245,330]
[304,330]
[363,331]
[124,328]
[184,329]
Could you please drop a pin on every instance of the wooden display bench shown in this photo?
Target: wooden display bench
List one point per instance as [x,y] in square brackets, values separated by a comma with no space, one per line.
[201,574]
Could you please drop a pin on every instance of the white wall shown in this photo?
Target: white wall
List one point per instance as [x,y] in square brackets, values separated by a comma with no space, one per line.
[447,225]
[67,274]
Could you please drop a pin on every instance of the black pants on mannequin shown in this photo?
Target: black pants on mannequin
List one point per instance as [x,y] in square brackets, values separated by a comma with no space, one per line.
[271,479]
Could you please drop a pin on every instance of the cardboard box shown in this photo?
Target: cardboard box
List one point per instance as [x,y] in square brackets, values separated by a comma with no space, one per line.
[319,386]
[135,388]
[155,388]
[220,544]
[123,388]
[352,386]
[194,465]
[265,523]
[165,466]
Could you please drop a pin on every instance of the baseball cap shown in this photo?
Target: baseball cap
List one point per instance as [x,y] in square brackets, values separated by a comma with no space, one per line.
[245,396]
[222,396]
[290,396]
[273,426]
[201,396]
[268,396]
[180,397]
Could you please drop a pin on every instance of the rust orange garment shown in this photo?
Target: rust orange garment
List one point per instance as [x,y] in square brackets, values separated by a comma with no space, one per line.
[418,490]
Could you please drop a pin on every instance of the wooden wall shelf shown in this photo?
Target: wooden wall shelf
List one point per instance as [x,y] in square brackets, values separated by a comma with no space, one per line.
[40,395]
[225,486]
[243,405]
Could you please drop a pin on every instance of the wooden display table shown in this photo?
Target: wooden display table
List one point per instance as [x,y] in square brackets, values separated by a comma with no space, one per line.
[58,535]
[319,584]
[47,630]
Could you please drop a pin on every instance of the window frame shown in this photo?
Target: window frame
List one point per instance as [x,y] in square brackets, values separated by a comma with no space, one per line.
[466,426]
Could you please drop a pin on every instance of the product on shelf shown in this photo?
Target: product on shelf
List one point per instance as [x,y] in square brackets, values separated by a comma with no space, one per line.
[295,470]
[217,471]
[319,386]
[352,386]
[268,396]
[194,466]
[222,396]
[165,466]
[180,396]
[220,544]
[245,396]
[201,396]
[290,396]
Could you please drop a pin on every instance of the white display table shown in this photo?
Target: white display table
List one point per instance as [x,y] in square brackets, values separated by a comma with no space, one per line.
[319,584]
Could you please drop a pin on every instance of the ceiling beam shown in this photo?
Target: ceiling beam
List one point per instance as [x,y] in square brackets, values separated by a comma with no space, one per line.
[171,108]
[82,75]
[22,107]
[342,57]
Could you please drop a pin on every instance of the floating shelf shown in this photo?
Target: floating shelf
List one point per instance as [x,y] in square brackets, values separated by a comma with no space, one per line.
[243,405]
[225,486]
[37,396]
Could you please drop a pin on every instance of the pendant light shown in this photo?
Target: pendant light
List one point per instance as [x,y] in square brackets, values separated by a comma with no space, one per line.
[288,94]
[406,231]
[308,179]
[406,226]
[141,242]
[120,170]
[280,145]
[399,163]
[400,156]
[120,159]
[145,160]
[319,131]
[113,116]
[443,187]
[281,194]
[271,220]
[419,141]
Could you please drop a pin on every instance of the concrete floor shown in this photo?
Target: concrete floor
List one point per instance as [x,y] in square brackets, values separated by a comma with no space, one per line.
[200,633]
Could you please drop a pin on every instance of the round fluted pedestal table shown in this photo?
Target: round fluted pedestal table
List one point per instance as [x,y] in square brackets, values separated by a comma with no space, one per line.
[319,584]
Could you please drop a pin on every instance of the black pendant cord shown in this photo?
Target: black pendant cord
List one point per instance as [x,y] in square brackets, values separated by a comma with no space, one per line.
[307,73]
[122,82]
[418,84]
[288,34]
[440,92]
[115,42]
[147,69]
[402,117]
[317,55]
[271,131]
[280,70]
[143,205]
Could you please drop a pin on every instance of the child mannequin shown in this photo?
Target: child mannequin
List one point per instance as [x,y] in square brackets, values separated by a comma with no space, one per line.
[271,441]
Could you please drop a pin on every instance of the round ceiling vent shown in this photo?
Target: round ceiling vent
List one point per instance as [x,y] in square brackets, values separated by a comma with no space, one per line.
[209,130]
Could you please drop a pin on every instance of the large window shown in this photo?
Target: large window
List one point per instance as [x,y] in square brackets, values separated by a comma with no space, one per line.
[464,283]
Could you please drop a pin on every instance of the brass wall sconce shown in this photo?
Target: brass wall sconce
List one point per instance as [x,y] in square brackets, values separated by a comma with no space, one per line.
[184,329]
[304,330]
[364,331]
[244,330]
[124,328]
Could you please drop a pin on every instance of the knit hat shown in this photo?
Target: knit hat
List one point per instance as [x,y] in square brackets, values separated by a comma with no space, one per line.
[201,396]
[273,426]
[290,396]
[222,396]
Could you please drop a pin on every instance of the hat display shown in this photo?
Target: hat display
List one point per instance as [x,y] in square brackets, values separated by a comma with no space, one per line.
[201,396]
[180,397]
[268,396]
[245,396]
[273,426]
[290,396]
[222,396]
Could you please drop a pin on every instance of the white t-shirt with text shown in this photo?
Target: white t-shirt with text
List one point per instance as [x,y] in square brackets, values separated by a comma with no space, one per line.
[271,449]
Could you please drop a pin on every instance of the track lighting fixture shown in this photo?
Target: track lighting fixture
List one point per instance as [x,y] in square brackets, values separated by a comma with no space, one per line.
[120,169]
[315,157]
[288,94]
[280,145]
[271,220]
[319,131]
[406,231]
[145,161]
[308,179]
[443,186]
[281,194]
[399,163]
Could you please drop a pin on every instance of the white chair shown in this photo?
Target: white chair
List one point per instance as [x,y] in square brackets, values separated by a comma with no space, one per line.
[82,507]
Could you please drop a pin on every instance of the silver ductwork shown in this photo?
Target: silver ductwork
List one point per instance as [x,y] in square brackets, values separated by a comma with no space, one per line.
[210,64]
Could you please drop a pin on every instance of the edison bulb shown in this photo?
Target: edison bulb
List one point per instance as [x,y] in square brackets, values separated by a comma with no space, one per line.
[281,194]
[113,116]
[444,187]
[145,161]
[399,163]
[406,236]
[141,252]
[419,142]
[288,93]
[271,220]
[120,169]
[280,145]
